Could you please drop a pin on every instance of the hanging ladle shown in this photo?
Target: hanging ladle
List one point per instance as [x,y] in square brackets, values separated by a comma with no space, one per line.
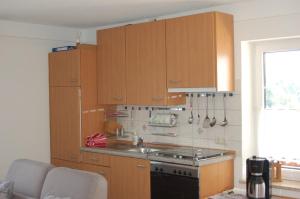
[213,120]
[224,122]
[206,121]
[191,118]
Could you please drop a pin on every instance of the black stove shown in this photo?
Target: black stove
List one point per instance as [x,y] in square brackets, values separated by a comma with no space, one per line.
[175,172]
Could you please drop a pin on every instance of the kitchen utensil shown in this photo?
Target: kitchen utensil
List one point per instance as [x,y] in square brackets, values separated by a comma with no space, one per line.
[132,117]
[198,104]
[191,118]
[224,122]
[206,122]
[200,129]
[213,120]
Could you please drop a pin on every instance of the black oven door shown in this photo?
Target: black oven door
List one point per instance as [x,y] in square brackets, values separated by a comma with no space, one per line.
[168,186]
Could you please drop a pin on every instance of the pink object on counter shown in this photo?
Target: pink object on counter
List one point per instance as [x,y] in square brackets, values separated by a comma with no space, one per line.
[96,140]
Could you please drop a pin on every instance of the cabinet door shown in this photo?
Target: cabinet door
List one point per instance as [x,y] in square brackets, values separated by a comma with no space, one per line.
[216,178]
[142,179]
[111,66]
[65,123]
[88,76]
[191,52]
[92,122]
[104,171]
[146,63]
[64,68]
[136,171]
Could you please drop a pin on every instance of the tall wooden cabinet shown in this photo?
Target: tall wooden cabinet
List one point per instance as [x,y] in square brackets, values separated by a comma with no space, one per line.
[111,66]
[200,52]
[74,113]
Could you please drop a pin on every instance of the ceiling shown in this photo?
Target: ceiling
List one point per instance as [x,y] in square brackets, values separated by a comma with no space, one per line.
[93,13]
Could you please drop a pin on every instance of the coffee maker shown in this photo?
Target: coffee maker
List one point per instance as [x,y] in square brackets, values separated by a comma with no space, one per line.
[258,178]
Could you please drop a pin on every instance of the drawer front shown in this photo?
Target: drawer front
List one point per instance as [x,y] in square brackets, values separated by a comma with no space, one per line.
[96,158]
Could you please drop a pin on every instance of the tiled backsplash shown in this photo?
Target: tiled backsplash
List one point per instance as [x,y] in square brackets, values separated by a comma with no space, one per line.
[228,137]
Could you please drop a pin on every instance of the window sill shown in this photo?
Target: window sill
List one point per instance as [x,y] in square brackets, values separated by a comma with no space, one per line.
[287,185]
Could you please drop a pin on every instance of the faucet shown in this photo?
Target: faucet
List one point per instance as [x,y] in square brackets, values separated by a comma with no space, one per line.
[140,142]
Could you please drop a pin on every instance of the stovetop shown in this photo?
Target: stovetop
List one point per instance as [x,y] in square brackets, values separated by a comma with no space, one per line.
[187,156]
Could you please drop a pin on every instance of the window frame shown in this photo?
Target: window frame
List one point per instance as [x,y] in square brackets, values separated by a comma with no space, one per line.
[258,81]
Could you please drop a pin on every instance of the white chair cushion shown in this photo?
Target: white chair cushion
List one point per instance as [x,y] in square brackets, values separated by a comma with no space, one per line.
[63,182]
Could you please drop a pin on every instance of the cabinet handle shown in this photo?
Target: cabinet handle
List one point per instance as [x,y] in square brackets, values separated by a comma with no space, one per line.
[140,166]
[173,81]
[118,98]
[157,98]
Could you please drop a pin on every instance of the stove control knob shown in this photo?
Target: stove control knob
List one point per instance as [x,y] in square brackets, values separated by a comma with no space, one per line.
[161,170]
[175,171]
[174,156]
[184,173]
[180,156]
[179,172]
[190,173]
[156,168]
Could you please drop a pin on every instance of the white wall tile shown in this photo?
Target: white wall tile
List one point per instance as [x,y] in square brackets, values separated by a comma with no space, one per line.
[228,137]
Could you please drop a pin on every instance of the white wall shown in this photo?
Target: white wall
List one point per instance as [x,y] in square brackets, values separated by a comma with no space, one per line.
[24,98]
[254,20]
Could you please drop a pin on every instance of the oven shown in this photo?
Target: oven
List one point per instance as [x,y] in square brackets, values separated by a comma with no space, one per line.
[174,181]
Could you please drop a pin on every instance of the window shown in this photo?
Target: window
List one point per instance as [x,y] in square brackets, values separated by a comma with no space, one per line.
[282,80]
[279,133]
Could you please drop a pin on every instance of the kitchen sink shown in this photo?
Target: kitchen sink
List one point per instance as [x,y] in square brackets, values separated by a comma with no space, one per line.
[143,150]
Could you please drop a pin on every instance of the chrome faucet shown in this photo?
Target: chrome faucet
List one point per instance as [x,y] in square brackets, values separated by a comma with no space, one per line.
[140,142]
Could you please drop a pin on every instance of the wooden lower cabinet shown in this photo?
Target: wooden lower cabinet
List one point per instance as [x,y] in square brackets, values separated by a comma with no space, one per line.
[104,171]
[130,178]
[216,178]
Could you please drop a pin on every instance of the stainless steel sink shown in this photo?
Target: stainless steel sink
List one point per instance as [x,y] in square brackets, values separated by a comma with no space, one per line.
[143,150]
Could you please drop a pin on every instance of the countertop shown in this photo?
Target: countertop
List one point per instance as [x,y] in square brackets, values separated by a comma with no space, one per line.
[128,150]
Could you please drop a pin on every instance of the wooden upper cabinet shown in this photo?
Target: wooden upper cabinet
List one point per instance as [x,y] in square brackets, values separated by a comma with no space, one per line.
[65,123]
[76,68]
[200,52]
[88,76]
[111,66]
[146,63]
[64,68]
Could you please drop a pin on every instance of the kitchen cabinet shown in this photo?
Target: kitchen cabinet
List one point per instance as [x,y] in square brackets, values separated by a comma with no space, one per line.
[74,113]
[92,122]
[200,53]
[65,123]
[76,68]
[216,178]
[64,68]
[104,171]
[111,66]
[146,65]
[130,178]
